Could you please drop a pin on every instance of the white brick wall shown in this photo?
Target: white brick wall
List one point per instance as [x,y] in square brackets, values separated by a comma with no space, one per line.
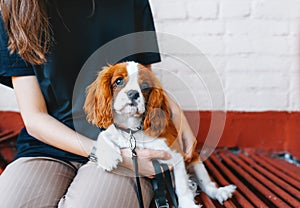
[7,99]
[252,44]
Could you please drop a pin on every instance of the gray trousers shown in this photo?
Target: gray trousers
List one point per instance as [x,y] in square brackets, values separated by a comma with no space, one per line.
[37,182]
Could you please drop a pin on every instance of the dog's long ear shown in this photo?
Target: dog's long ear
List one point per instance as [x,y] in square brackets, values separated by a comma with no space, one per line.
[98,103]
[158,115]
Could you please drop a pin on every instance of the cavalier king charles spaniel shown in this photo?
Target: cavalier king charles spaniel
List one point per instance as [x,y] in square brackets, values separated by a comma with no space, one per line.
[127,99]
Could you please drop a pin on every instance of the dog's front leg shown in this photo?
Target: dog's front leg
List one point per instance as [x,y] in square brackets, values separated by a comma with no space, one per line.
[184,193]
[209,187]
[108,154]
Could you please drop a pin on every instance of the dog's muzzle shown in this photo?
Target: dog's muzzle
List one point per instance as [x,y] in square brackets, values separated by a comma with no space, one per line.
[133,95]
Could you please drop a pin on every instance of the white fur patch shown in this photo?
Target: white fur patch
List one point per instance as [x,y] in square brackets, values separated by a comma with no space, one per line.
[132,68]
[122,103]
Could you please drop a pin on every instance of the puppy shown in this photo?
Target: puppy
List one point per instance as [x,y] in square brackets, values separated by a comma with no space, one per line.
[127,100]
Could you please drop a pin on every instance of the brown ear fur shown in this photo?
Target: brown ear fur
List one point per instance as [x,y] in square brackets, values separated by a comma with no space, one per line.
[98,103]
[158,121]
[158,117]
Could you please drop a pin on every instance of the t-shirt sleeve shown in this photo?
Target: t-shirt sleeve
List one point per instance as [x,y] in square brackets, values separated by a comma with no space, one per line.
[10,64]
[144,22]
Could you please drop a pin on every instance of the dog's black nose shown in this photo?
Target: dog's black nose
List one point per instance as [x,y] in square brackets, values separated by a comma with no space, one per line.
[133,94]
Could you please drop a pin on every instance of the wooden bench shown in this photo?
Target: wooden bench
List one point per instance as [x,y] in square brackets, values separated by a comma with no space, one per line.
[10,125]
[263,179]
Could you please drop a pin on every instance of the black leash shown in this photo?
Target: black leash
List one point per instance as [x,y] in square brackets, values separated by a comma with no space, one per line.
[158,186]
[132,142]
[170,186]
[137,178]
[162,180]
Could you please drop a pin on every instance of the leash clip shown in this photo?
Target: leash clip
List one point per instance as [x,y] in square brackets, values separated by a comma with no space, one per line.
[92,156]
[132,143]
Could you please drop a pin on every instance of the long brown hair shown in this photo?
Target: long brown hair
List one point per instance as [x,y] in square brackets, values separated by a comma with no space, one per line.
[28,28]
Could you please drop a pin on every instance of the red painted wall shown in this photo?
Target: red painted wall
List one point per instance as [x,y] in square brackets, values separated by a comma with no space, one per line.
[271,131]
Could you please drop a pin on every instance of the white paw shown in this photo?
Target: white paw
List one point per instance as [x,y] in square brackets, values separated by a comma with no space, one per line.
[224,193]
[187,202]
[109,161]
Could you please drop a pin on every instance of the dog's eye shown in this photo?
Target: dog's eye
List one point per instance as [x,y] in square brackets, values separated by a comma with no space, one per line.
[144,85]
[120,82]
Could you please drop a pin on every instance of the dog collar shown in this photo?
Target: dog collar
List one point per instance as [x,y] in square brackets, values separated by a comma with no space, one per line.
[128,130]
[132,140]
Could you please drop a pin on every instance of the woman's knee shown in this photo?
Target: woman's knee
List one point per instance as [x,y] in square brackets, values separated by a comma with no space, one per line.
[32,182]
[94,187]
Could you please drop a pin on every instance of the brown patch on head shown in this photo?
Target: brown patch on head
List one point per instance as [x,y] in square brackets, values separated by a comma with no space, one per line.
[146,81]
[98,103]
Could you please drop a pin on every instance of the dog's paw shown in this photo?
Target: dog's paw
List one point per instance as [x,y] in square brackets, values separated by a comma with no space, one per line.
[109,161]
[109,165]
[187,202]
[224,193]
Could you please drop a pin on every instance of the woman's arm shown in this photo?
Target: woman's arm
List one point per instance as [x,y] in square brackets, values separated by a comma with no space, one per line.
[186,136]
[40,124]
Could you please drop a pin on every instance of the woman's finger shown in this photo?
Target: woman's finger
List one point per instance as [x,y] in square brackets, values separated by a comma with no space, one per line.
[150,154]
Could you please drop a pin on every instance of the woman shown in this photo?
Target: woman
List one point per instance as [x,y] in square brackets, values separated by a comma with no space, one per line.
[43,45]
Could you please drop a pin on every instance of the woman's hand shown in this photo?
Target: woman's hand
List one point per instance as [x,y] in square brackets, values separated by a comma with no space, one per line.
[144,157]
[187,139]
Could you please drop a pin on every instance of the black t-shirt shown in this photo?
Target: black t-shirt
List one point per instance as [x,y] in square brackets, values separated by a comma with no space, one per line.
[78,31]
